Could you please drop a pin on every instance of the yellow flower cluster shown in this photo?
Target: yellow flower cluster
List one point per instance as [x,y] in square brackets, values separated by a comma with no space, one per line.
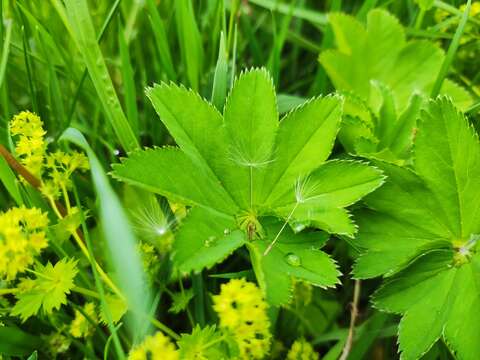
[242,311]
[31,150]
[474,8]
[30,146]
[60,166]
[302,350]
[150,259]
[81,327]
[155,347]
[22,237]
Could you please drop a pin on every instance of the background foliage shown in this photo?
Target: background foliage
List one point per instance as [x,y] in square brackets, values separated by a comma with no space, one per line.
[86,64]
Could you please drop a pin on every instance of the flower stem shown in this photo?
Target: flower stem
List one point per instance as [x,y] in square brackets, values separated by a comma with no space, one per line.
[269,248]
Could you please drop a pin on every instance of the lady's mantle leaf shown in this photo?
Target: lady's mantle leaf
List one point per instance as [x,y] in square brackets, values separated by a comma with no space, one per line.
[205,238]
[295,256]
[447,157]
[48,291]
[245,166]
[424,230]
[375,64]
[320,197]
[197,127]
[379,52]
[171,173]
[304,141]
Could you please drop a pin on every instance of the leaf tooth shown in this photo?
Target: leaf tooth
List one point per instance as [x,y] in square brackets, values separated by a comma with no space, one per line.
[178,88]
[247,71]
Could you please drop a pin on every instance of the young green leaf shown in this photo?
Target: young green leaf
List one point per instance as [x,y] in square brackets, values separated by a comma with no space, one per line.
[422,234]
[48,291]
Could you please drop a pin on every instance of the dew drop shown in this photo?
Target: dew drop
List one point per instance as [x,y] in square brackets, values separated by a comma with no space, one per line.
[226,232]
[293,259]
[210,241]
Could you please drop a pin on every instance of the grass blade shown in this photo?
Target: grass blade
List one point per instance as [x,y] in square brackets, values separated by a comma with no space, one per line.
[161,40]
[5,50]
[119,237]
[219,91]
[84,37]
[311,16]
[128,81]
[452,49]
[7,177]
[190,41]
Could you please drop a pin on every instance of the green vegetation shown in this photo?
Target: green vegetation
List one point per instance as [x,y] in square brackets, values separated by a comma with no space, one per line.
[232,179]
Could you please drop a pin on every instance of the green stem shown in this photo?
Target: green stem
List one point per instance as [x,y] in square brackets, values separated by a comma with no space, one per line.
[86,292]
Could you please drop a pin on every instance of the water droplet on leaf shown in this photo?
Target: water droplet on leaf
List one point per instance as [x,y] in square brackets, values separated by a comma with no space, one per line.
[210,241]
[226,232]
[293,259]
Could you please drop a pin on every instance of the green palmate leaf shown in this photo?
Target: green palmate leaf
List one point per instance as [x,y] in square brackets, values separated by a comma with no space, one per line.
[296,256]
[390,77]
[197,128]
[321,196]
[304,141]
[204,239]
[447,157]
[186,183]
[422,233]
[373,52]
[244,166]
[251,121]
[180,301]
[203,343]
[48,291]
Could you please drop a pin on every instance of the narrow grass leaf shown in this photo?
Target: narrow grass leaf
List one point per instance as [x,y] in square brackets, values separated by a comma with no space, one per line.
[5,50]
[119,236]
[452,50]
[190,41]
[128,81]
[219,91]
[84,37]
[161,40]
[8,179]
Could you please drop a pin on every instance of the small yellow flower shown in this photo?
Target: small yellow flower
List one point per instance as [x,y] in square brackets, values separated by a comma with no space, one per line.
[242,311]
[81,327]
[155,347]
[22,237]
[30,146]
[60,167]
[302,350]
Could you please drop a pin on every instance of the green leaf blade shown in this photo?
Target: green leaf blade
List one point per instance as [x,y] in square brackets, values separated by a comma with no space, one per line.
[447,157]
[169,172]
[305,140]
[204,239]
